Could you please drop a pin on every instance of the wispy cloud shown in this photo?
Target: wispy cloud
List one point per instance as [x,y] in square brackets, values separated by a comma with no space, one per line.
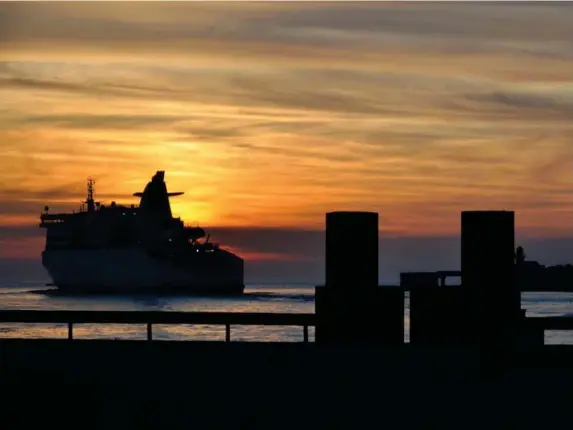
[270,114]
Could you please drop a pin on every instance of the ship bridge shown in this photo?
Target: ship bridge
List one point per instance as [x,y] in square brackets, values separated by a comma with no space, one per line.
[47,219]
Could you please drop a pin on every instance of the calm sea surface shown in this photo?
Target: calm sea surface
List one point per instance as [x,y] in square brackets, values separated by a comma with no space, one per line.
[257,298]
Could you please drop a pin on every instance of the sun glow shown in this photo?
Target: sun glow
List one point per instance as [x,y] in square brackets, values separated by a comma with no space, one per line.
[268,116]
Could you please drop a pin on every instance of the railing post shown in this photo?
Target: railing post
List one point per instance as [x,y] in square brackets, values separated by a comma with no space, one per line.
[227,332]
[305,333]
[70,331]
[149,332]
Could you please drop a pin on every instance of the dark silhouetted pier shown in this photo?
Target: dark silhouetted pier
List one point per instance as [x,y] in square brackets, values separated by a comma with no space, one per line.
[489,368]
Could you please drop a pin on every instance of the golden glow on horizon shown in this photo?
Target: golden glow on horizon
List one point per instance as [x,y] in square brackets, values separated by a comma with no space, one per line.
[274,114]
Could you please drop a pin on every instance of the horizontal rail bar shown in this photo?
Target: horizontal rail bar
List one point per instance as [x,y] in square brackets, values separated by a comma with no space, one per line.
[154,317]
[407,288]
[213,318]
[550,323]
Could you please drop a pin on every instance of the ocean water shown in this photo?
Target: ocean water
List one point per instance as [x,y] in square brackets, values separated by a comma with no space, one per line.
[257,298]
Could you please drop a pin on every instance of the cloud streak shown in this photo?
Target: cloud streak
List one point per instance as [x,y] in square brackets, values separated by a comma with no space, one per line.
[270,114]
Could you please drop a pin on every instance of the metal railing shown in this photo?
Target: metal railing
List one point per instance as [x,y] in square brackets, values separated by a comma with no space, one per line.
[550,323]
[227,319]
[154,317]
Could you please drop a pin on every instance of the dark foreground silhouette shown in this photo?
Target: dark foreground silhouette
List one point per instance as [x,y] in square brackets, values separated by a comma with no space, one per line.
[211,385]
[491,372]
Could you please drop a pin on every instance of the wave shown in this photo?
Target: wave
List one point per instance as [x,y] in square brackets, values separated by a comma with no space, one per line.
[280,296]
[255,295]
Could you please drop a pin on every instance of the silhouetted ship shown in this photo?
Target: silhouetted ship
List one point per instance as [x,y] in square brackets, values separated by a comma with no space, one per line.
[117,249]
[533,276]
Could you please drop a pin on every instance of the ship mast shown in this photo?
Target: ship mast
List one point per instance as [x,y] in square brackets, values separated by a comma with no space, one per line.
[90,200]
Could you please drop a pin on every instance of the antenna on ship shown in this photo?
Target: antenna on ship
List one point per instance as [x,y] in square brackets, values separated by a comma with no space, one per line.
[90,200]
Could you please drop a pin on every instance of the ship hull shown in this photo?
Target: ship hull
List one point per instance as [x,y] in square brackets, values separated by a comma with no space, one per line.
[132,271]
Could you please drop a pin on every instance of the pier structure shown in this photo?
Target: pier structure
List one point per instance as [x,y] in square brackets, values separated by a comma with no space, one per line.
[438,312]
[489,276]
[485,310]
[357,365]
[351,307]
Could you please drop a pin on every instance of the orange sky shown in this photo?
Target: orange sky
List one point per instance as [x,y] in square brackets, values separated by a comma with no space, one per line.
[271,114]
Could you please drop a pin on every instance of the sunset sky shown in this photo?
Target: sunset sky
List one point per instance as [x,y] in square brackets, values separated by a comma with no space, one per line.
[267,115]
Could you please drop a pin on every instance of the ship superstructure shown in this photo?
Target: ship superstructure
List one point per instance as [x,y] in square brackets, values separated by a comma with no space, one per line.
[118,248]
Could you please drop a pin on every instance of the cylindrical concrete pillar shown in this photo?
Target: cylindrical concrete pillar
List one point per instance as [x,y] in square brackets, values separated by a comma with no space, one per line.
[488,261]
[352,249]
[351,307]
[488,271]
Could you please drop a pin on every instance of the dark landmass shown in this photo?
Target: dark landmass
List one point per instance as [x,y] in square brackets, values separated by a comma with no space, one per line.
[533,276]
